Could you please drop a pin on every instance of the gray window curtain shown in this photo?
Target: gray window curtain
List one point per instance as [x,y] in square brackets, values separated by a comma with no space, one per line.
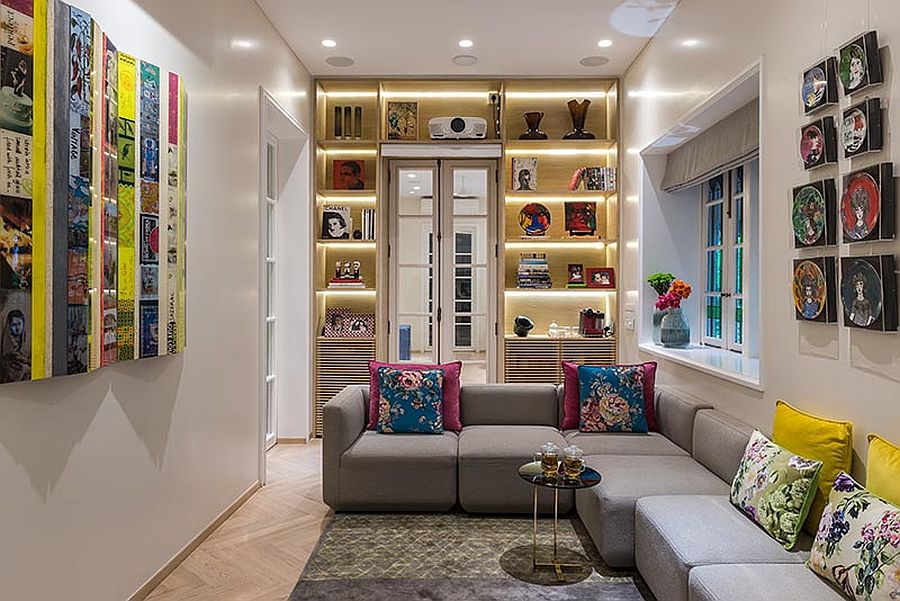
[725,145]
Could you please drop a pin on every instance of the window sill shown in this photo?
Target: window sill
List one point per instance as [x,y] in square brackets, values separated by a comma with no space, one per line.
[727,365]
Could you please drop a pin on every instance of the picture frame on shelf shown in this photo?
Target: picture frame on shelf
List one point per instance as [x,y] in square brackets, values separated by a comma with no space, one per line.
[819,85]
[524,172]
[814,290]
[360,325]
[867,204]
[581,218]
[818,143]
[576,276]
[859,65]
[348,174]
[335,322]
[861,128]
[402,120]
[601,277]
[869,292]
[337,224]
[814,214]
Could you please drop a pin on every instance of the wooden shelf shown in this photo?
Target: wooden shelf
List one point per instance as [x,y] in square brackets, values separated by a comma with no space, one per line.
[346,242]
[576,241]
[515,196]
[347,290]
[574,146]
[583,291]
[332,196]
[349,146]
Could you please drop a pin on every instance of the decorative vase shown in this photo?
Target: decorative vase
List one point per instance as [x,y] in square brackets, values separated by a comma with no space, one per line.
[533,121]
[674,331]
[522,325]
[657,325]
[578,111]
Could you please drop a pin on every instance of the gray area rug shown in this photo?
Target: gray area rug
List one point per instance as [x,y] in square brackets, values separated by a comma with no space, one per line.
[456,556]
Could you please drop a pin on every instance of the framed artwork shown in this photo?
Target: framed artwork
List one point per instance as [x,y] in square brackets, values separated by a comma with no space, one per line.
[814,214]
[861,128]
[869,292]
[534,219]
[336,223]
[581,218]
[359,325]
[524,174]
[819,87]
[867,204]
[336,322]
[818,144]
[348,175]
[576,276]
[814,290]
[860,63]
[403,120]
[601,277]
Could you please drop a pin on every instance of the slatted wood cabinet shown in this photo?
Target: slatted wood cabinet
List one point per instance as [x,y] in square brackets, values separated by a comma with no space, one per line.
[340,362]
[538,360]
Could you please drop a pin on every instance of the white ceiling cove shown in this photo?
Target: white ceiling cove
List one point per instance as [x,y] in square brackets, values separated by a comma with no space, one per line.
[528,38]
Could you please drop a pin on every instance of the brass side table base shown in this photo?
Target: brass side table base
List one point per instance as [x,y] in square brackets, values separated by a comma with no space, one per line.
[555,564]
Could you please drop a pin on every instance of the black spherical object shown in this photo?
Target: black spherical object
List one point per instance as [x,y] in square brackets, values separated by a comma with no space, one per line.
[522,325]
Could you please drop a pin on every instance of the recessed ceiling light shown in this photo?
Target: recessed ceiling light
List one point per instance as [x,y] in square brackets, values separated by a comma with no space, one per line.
[340,61]
[417,187]
[464,60]
[690,43]
[411,175]
[593,61]
[238,44]
[604,43]
[329,43]
[466,43]
[412,193]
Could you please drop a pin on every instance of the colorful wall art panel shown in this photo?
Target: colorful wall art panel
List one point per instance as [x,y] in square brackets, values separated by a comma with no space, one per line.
[80,189]
[860,63]
[861,128]
[814,214]
[818,143]
[869,292]
[819,87]
[815,289]
[867,204]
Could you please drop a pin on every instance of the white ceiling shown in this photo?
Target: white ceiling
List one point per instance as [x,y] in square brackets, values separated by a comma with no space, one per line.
[512,37]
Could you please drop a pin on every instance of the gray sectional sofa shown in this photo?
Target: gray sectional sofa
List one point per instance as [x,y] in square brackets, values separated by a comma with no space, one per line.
[663,505]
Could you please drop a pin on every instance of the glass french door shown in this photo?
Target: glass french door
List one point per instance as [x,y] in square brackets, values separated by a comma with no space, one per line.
[442,300]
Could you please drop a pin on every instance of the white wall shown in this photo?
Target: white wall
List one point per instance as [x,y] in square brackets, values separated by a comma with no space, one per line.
[106,476]
[829,370]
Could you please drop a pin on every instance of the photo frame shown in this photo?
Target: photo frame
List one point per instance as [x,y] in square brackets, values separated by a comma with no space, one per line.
[867,204]
[336,322]
[818,86]
[818,143]
[402,120]
[859,63]
[861,128]
[360,325]
[814,290]
[524,172]
[814,214]
[337,224]
[575,276]
[601,277]
[581,218]
[869,293]
[348,174]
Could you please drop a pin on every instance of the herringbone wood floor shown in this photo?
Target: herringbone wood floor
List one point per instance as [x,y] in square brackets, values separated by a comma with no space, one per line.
[259,552]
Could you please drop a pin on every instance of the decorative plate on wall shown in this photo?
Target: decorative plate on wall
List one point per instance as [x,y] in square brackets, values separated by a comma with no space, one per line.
[861,128]
[814,290]
[819,86]
[818,145]
[869,292]
[860,63]
[814,214]
[867,204]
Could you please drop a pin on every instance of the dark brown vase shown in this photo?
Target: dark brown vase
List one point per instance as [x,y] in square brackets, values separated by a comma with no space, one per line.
[579,110]
[533,121]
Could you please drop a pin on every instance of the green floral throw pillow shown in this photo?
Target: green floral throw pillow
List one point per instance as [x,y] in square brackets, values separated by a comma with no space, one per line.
[775,488]
[858,543]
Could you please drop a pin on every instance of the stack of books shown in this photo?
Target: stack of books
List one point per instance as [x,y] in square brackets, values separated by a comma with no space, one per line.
[533,271]
[345,283]
[368,224]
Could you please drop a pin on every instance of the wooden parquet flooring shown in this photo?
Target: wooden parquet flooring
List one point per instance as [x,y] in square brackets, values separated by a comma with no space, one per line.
[259,552]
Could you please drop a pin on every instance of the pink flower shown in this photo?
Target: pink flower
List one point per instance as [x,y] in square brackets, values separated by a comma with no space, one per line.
[867,532]
[410,380]
[889,528]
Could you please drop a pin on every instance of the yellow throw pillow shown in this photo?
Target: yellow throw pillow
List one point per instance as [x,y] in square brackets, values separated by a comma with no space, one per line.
[883,469]
[826,440]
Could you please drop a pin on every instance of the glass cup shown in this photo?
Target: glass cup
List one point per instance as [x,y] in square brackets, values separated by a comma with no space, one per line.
[549,458]
[573,462]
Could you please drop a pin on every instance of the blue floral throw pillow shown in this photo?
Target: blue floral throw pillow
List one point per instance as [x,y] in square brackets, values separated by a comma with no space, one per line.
[858,543]
[611,399]
[411,401]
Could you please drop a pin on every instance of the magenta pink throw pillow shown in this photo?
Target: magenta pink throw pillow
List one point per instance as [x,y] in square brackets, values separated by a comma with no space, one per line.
[450,390]
[571,409]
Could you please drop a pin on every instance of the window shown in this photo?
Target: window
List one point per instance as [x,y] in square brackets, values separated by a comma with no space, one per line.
[724,215]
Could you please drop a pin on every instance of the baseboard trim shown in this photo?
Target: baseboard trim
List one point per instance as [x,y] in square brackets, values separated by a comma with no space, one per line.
[299,440]
[169,567]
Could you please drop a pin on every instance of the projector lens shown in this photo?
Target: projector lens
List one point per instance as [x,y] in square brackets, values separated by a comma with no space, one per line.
[457,125]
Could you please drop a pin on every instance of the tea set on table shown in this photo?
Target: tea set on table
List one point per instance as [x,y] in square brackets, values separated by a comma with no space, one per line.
[571,466]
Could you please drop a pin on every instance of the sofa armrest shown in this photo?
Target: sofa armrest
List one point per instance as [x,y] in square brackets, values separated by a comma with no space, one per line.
[343,420]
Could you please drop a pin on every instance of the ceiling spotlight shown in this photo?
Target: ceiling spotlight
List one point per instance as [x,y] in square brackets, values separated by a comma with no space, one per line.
[411,175]
[464,60]
[690,43]
[466,43]
[329,43]
[604,43]
[340,61]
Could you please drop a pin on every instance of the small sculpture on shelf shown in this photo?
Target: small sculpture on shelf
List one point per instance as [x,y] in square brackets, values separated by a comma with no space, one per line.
[522,325]
[578,111]
[346,275]
[533,121]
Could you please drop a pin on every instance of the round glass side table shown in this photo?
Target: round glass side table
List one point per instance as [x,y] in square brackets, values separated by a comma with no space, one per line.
[532,473]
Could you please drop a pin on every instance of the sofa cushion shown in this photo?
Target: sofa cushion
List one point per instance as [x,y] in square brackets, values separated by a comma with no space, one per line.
[489,459]
[883,469]
[400,472]
[611,398]
[607,510]
[719,442]
[675,417]
[509,405]
[450,390]
[410,401]
[676,533]
[571,394]
[623,443]
[752,582]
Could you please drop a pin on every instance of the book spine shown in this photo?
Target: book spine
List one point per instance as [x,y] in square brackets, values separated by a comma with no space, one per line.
[338,119]
[357,123]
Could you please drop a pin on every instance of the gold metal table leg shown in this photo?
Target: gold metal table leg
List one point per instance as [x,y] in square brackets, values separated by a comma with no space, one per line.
[558,567]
